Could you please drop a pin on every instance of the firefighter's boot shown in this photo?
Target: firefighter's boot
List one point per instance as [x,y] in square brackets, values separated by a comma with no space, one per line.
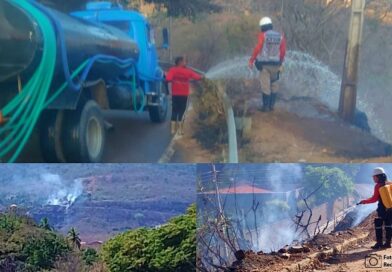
[388,235]
[273,101]
[378,222]
[266,103]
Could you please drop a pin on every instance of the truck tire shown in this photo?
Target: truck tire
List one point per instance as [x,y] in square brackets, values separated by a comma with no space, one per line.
[50,136]
[158,113]
[84,134]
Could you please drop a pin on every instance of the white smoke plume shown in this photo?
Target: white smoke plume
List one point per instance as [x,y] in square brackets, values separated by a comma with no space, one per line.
[275,236]
[64,194]
[41,189]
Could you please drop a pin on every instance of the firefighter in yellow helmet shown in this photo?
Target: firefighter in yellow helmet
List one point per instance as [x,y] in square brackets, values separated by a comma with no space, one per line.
[384,214]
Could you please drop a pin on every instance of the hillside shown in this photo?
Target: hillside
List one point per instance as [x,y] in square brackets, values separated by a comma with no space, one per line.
[26,246]
[99,200]
[339,251]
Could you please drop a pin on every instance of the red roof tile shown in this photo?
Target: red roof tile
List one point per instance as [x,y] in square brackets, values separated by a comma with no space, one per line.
[242,189]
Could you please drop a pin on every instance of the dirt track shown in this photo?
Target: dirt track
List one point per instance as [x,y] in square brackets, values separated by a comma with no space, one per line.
[354,260]
[344,251]
[288,137]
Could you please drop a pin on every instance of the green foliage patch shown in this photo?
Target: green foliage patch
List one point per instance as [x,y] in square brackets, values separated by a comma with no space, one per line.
[327,184]
[169,248]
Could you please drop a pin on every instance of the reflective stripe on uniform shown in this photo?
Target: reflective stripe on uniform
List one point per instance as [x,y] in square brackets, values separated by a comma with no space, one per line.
[271,49]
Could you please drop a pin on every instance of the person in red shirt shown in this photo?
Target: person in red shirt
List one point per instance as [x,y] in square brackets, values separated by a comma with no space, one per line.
[384,216]
[180,76]
[268,56]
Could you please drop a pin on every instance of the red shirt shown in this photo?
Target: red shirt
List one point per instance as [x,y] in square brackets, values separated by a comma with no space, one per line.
[180,77]
[376,195]
[260,45]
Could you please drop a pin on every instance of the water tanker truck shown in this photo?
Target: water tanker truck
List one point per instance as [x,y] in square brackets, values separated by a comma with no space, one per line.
[58,72]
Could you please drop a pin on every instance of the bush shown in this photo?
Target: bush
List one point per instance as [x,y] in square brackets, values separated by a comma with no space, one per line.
[169,248]
[90,256]
[277,205]
[42,251]
[24,246]
[210,126]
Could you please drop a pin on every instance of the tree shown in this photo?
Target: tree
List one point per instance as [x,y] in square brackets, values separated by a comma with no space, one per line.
[90,256]
[73,237]
[327,184]
[178,8]
[44,224]
[42,252]
[169,248]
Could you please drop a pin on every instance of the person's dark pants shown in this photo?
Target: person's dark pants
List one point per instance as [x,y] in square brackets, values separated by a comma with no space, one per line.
[179,104]
[384,218]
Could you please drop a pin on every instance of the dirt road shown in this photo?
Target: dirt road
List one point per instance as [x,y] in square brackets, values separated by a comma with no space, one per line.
[354,260]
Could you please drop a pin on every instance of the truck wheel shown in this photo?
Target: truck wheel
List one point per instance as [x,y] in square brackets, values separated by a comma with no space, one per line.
[84,134]
[158,113]
[49,136]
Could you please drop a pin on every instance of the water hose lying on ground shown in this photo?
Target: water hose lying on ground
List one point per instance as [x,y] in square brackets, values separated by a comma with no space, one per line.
[20,116]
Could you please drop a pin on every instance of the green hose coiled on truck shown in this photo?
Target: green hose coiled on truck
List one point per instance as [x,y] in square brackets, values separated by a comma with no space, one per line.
[25,108]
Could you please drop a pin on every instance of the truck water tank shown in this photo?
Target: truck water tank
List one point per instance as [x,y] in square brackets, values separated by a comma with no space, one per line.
[21,44]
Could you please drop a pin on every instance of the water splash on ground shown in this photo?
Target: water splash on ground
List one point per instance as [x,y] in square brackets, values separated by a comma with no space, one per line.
[303,76]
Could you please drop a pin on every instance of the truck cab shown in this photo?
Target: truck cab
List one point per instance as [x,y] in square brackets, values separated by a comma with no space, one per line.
[138,28]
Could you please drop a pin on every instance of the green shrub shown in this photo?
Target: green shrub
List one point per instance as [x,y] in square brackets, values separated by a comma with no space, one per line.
[90,256]
[170,248]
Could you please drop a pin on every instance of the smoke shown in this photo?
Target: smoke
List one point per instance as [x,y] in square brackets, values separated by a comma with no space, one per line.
[41,189]
[65,194]
[282,178]
[362,212]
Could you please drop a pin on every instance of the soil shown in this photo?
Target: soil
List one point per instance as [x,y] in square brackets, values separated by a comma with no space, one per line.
[114,198]
[284,136]
[264,262]
[188,149]
[352,259]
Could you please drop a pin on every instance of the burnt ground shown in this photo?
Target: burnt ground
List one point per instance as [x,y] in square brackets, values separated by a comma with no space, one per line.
[302,129]
[352,257]
[115,198]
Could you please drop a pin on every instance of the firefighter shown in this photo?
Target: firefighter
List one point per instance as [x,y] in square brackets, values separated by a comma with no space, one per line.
[268,56]
[384,215]
[180,76]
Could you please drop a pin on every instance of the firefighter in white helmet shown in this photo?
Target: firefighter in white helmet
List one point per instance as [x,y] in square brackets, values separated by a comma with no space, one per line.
[268,56]
[384,215]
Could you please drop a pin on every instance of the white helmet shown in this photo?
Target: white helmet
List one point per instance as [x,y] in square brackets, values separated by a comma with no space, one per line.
[378,171]
[265,21]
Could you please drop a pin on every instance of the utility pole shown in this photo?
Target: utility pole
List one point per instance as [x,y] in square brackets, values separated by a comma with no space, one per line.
[348,95]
